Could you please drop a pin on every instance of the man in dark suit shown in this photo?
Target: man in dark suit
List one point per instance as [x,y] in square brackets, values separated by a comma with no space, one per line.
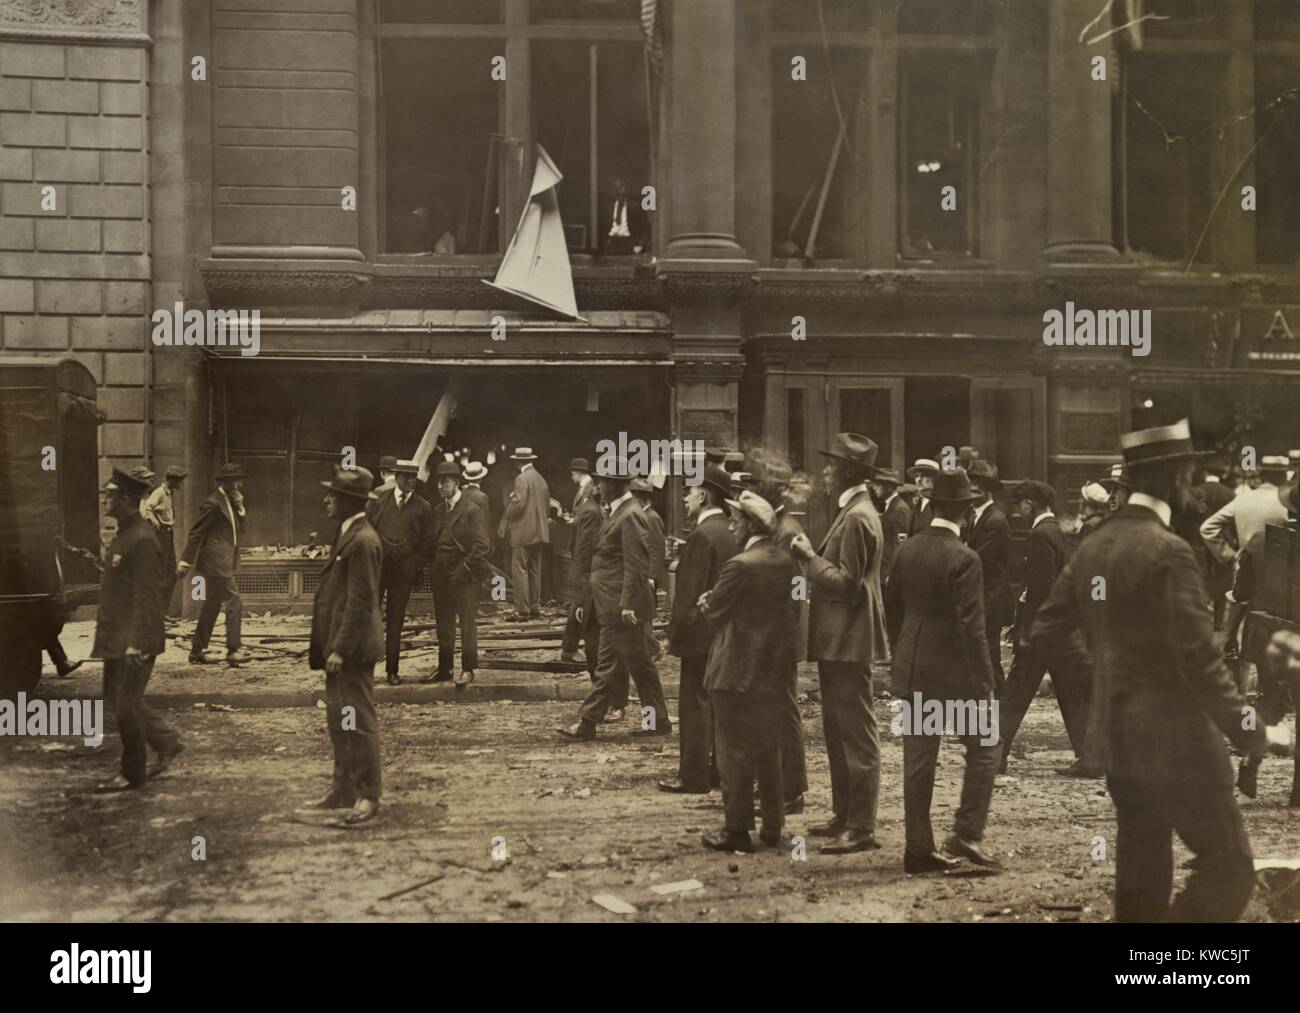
[588,516]
[212,550]
[619,591]
[895,517]
[526,520]
[346,642]
[690,635]
[1162,700]
[1046,552]
[922,472]
[934,607]
[403,520]
[989,534]
[459,558]
[757,623]
[129,630]
[845,625]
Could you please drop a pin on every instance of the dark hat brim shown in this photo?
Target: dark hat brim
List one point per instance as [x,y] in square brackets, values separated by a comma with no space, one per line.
[986,481]
[350,493]
[1182,455]
[840,457]
[972,495]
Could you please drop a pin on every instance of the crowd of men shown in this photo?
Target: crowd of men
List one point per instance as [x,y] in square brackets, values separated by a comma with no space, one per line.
[1119,616]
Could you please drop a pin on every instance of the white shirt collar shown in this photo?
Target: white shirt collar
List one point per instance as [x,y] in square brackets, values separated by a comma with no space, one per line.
[343,528]
[754,539]
[1158,506]
[979,510]
[848,494]
[939,522]
[584,482]
[892,496]
[526,466]
[1042,517]
[706,513]
[619,502]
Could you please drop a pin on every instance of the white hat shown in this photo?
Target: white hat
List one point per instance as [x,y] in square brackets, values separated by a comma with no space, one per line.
[756,508]
[1095,494]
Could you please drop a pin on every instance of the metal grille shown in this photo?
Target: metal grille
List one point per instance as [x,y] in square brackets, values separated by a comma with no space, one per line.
[263,583]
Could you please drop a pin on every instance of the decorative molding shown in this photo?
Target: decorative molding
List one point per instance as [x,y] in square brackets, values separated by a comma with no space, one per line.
[424,290]
[75,20]
[265,285]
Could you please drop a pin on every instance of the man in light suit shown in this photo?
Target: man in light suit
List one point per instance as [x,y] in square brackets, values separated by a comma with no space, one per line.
[525,519]
[1162,700]
[619,591]
[346,641]
[989,534]
[690,634]
[757,622]
[846,624]
[459,558]
[212,551]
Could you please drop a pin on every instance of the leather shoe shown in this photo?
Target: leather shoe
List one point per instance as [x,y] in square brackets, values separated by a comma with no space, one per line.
[119,783]
[199,658]
[832,829]
[651,733]
[365,810]
[970,851]
[850,842]
[535,614]
[613,716]
[580,731]
[165,760]
[436,677]
[465,678]
[916,864]
[332,799]
[770,838]
[67,669]
[236,658]
[572,657]
[1078,769]
[727,842]
[517,617]
[394,679]
[679,788]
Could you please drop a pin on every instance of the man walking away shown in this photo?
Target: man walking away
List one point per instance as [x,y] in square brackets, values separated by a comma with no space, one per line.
[525,517]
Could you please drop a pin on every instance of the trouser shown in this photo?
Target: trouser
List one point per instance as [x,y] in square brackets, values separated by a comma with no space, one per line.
[624,647]
[220,591]
[453,600]
[748,748]
[794,767]
[697,766]
[1207,819]
[138,724]
[588,631]
[620,675]
[1276,697]
[54,621]
[920,755]
[852,742]
[526,576]
[396,582]
[355,735]
[168,545]
[1069,682]
[993,634]
[1219,581]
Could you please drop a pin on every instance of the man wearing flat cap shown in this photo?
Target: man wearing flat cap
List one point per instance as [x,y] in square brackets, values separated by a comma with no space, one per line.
[1046,551]
[845,627]
[129,630]
[526,520]
[756,620]
[989,534]
[1162,700]
[587,520]
[346,642]
[212,551]
[403,520]
[922,472]
[159,509]
[459,565]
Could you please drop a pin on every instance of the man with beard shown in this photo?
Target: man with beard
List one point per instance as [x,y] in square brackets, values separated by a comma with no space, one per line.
[845,625]
[1162,699]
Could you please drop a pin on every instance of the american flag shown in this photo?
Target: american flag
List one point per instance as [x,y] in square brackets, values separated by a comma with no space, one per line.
[654,44]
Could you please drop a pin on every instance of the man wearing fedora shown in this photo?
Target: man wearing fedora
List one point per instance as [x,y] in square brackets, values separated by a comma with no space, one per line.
[690,635]
[129,630]
[1046,551]
[619,591]
[159,509]
[587,520]
[459,561]
[895,517]
[346,642]
[1162,699]
[212,551]
[934,607]
[989,534]
[922,472]
[403,520]
[846,623]
[757,621]
[387,474]
[525,518]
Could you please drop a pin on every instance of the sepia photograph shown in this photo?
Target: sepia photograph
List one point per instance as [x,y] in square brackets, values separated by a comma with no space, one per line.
[658,462]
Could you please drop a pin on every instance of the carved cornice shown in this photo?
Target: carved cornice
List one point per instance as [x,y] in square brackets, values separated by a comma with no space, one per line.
[424,290]
[280,284]
[113,21]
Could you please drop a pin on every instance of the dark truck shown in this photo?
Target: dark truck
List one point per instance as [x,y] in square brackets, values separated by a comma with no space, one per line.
[49,508]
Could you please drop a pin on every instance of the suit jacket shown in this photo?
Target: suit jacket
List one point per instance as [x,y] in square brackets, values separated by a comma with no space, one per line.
[1046,552]
[620,566]
[462,545]
[1243,517]
[130,597]
[212,545]
[345,612]
[934,605]
[896,523]
[588,518]
[709,546]
[480,499]
[406,534]
[922,515]
[1162,699]
[658,541]
[846,621]
[527,509]
[990,537]
[757,621]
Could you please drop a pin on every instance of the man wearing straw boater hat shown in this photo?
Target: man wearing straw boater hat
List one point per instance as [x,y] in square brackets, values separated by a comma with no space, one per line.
[1162,699]
[922,472]
[989,534]
[470,488]
[526,520]
[403,520]
[846,623]
[346,642]
[934,607]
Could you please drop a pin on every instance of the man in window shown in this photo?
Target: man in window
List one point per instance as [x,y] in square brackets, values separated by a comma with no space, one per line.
[624,225]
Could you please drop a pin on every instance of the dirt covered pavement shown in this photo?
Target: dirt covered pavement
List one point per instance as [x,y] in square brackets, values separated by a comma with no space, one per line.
[572,821]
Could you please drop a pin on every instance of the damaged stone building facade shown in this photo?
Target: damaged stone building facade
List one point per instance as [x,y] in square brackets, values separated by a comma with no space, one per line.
[862,211]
